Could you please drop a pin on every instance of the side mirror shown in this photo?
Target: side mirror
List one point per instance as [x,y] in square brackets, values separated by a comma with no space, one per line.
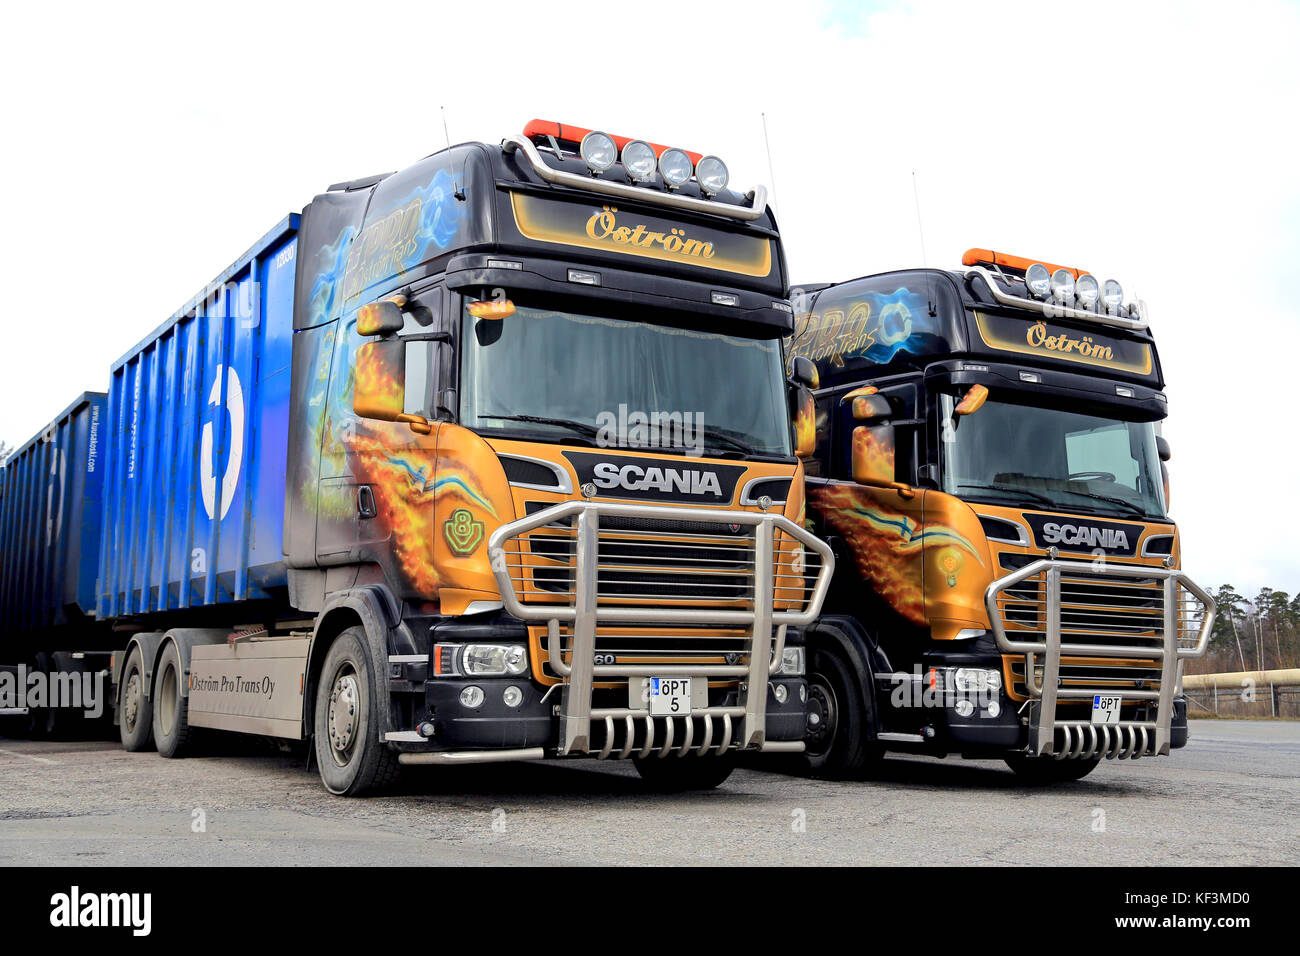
[873,458]
[870,408]
[804,372]
[1162,448]
[972,401]
[380,384]
[381,318]
[805,422]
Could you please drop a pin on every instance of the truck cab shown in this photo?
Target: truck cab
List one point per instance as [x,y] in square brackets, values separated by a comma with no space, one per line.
[990,474]
[541,455]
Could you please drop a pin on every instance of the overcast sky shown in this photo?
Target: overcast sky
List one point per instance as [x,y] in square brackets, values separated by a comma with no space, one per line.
[148,146]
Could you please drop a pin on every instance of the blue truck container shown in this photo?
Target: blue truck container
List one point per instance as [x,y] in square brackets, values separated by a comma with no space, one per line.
[50,505]
[194,451]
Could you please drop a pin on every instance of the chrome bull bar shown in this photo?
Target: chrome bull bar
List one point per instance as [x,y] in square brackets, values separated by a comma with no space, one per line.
[765,623]
[1082,739]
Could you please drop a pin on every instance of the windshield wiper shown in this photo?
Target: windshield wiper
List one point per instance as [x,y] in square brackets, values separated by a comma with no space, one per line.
[582,428]
[1132,508]
[1122,502]
[718,434]
[1032,495]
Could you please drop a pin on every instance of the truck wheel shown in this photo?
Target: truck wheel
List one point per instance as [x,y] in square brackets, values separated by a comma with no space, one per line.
[674,774]
[1041,771]
[837,742]
[171,725]
[352,760]
[134,713]
[42,722]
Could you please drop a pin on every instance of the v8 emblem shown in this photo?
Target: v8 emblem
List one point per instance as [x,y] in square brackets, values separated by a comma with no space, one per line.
[462,531]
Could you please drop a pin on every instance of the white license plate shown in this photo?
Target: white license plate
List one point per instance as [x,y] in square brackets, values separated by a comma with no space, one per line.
[670,696]
[1105,708]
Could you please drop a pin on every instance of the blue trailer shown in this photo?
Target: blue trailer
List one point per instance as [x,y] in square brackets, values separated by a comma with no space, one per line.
[196,444]
[50,507]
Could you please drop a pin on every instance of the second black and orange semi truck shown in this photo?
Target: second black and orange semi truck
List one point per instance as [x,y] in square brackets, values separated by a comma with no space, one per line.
[990,475]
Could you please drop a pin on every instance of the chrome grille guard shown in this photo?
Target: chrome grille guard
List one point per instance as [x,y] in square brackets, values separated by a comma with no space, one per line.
[1184,620]
[583,607]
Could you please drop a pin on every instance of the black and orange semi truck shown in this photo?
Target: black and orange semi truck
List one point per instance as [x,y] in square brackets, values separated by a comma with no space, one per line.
[990,475]
[488,459]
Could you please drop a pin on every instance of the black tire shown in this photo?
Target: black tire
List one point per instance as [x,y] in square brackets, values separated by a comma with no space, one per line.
[42,723]
[675,774]
[1044,771]
[838,742]
[134,711]
[171,725]
[352,759]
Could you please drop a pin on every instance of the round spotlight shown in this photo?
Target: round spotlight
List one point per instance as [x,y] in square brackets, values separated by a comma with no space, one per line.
[780,693]
[1038,280]
[1088,291]
[471,696]
[711,174]
[675,167]
[639,161]
[1112,293]
[512,696]
[1062,284]
[994,708]
[964,708]
[598,151]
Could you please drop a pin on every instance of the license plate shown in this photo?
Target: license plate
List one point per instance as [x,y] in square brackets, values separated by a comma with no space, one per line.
[670,696]
[1105,708]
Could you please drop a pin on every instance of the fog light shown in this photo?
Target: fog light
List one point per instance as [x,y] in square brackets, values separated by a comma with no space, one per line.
[994,708]
[471,697]
[598,150]
[1038,280]
[803,693]
[513,696]
[711,174]
[675,167]
[1062,285]
[965,708]
[780,693]
[639,160]
[425,729]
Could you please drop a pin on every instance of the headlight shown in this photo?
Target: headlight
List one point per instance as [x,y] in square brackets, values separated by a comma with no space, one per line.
[1087,290]
[675,167]
[1112,293]
[969,680]
[494,660]
[711,174]
[1062,284]
[639,160]
[792,662]
[1038,280]
[598,151]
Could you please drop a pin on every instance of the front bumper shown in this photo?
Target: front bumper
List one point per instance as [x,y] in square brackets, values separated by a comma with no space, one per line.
[1035,620]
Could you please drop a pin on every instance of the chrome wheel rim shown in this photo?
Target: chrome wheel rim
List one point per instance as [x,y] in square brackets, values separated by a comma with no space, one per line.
[344,715]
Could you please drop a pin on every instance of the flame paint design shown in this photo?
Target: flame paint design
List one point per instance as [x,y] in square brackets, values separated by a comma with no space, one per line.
[889,546]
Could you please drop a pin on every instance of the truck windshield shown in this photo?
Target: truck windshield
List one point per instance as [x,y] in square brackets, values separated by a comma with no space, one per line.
[567,377]
[1024,455]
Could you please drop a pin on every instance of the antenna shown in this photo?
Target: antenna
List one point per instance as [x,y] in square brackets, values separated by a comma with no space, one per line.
[771,176]
[456,189]
[920,229]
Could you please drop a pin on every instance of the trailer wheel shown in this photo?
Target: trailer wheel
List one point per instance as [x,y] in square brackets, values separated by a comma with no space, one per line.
[352,760]
[1043,771]
[837,741]
[171,725]
[678,774]
[135,715]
